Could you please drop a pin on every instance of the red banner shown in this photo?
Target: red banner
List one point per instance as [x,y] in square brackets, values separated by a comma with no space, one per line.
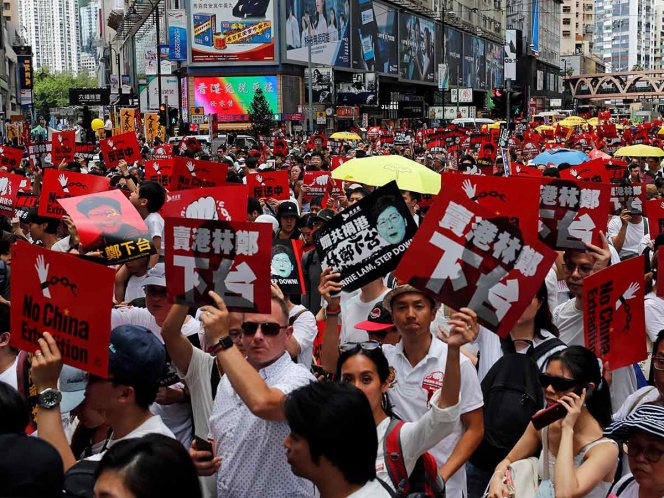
[120,147]
[590,171]
[231,258]
[160,171]
[10,157]
[64,145]
[521,170]
[228,203]
[192,173]
[463,255]
[572,213]
[163,151]
[60,294]
[269,185]
[108,223]
[64,184]
[8,192]
[613,313]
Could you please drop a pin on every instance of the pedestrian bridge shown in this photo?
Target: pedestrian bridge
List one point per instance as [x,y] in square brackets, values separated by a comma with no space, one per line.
[628,85]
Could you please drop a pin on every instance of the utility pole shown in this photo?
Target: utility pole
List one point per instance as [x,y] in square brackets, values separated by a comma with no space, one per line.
[508,89]
[311,90]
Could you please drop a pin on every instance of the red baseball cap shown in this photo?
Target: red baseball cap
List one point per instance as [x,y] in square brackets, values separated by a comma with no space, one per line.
[379,319]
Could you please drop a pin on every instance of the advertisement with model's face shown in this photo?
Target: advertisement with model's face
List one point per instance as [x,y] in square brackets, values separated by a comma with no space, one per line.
[416,37]
[374,36]
[494,64]
[453,46]
[474,69]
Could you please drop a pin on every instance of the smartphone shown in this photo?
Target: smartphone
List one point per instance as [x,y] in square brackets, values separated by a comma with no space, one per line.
[552,414]
[204,445]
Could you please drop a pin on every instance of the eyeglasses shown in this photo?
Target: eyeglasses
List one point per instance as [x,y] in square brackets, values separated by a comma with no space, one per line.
[393,219]
[347,347]
[582,269]
[155,291]
[111,213]
[658,362]
[269,329]
[560,384]
[651,454]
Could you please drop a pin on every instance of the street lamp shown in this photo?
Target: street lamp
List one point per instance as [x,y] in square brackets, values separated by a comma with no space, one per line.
[106,60]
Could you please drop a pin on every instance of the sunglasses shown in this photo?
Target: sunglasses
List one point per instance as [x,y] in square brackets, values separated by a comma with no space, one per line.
[347,347]
[560,384]
[658,362]
[653,455]
[269,329]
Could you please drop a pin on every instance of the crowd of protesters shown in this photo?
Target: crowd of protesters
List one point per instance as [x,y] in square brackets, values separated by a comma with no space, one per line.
[259,411]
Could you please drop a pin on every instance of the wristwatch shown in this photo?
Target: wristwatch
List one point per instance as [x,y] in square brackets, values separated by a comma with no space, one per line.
[223,344]
[48,398]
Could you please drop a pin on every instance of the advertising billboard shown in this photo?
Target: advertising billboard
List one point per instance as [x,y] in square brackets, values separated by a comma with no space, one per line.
[323,23]
[241,31]
[177,34]
[494,64]
[474,66]
[230,97]
[322,88]
[374,37]
[362,90]
[417,52]
[453,46]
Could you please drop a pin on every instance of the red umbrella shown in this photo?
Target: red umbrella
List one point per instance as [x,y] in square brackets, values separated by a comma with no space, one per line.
[598,154]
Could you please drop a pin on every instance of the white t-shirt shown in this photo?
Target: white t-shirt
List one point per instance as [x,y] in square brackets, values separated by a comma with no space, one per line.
[631,490]
[134,288]
[654,315]
[10,376]
[155,224]
[61,245]
[354,312]
[305,332]
[633,236]
[413,389]
[372,489]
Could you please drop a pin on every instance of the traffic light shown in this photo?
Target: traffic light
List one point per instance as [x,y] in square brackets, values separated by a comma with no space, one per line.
[172,119]
[499,99]
[162,116]
[516,102]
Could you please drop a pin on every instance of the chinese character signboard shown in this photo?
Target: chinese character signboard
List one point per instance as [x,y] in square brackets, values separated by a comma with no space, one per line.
[230,258]
[89,96]
[85,150]
[151,126]
[120,147]
[286,266]
[465,256]
[367,240]
[177,34]
[63,145]
[57,293]
[241,31]
[127,120]
[192,173]
[163,151]
[214,203]
[159,171]
[9,184]
[63,184]
[613,313]
[231,96]
[317,183]
[269,185]
[631,197]
[10,157]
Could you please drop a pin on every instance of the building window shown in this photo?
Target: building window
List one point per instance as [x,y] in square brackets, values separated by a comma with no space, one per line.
[566,34]
[567,9]
[567,21]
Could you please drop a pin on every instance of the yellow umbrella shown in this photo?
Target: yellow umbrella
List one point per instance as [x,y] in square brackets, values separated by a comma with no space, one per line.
[661,131]
[573,121]
[640,151]
[379,170]
[345,135]
[593,121]
[494,126]
[542,128]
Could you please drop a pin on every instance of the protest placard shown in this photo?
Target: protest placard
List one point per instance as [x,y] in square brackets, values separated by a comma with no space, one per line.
[58,184]
[572,213]
[269,185]
[123,146]
[631,197]
[59,294]
[227,203]
[654,209]
[8,192]
[613,314]
[192,173]
[465,256]
[163,151]
[230,258]
[286,266]
[86,151]
[108,223]
[590,171]
[160,171]
[316,183]
[10,157]
[63,146]
[23,204]
[366,241]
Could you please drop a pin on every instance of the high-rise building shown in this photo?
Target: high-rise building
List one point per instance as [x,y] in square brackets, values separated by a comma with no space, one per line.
[578,54]
[51,28]
[89,25]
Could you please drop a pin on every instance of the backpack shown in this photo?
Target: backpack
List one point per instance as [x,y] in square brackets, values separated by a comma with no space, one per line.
[512,394]
[80,479]
[424,480]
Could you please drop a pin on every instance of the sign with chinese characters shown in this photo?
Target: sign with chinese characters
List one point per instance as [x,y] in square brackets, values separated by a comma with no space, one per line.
[89,96]
[163,151]
[511,198]
[86,151]
[572,213]
[465,256]
[159,171]
[177,34]
[239,31]
[230,258]
[613,313]
[269,185]
[108,223]
[63,145]
[58,293]
[631,197]
[9,184]
[10,157]
[127,120]
[23,204]
[317,183]
[366,241]
[226,203]
[120,147]
[590,171]
[151,126]
[63,184]
[230,97]
[192,173]
[286,266]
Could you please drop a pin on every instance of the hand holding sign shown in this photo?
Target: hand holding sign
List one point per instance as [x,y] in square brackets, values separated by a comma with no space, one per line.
[601,255]
[463,328]
[46,364]
[215,318]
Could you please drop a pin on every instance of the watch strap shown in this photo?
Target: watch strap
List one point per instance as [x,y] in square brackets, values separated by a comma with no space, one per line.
[224,343]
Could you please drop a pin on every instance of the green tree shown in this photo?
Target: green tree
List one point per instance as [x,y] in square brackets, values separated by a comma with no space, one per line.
[637,67]
[260,115]
[52,89]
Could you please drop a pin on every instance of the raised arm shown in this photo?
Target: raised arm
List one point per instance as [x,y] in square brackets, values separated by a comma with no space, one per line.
[178,346]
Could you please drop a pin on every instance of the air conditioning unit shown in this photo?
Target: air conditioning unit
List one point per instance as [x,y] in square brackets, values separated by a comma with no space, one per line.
[590,28]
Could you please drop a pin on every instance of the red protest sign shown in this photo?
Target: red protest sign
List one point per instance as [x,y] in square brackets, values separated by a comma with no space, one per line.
[120,147]
[23,205]
[85,150]
[8,192]
[58,293]
[655,212]
[269,184]
[163,151]
[337,161]
[10,157]
[64,184]
[214,203]
[516,200]
[590,171]
[613,314]
[108,223]
[521,170]
[63,145]
[160,171]
[317,183]
[38,152]
[192,173]
[230,258]
[632,197]
[463,255]
[572,213]
[25,185]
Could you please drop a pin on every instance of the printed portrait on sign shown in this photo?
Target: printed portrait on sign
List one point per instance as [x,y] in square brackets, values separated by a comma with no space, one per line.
[282,264]
[105,214]
[286,266]
[390,223]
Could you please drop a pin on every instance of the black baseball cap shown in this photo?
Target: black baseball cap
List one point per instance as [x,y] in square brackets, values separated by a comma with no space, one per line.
[135,353]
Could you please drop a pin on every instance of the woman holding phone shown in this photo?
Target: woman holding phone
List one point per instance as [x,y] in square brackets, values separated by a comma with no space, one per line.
[576,459]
